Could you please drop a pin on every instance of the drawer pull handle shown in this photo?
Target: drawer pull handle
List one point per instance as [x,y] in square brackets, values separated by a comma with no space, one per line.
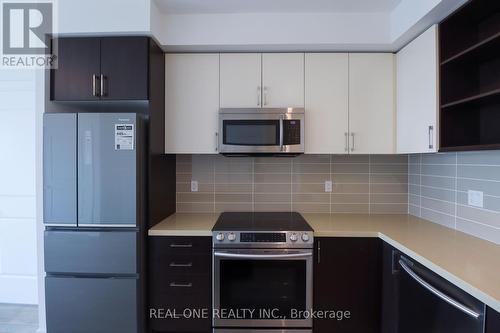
[174,264]
[181,245]
[181,285]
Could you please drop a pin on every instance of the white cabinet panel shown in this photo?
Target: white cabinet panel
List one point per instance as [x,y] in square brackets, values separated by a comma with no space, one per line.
[191,103]
[283,79]
[240,80]
[372,103]
[326,102]
[417,96]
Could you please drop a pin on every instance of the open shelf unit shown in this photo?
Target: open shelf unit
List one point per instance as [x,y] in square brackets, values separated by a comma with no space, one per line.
[470,77]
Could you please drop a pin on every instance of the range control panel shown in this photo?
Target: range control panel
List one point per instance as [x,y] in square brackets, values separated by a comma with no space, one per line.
[284,239]
[275,237]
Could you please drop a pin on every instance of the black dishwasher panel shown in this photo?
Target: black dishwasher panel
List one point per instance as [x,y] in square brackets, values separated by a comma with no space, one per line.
[430,304]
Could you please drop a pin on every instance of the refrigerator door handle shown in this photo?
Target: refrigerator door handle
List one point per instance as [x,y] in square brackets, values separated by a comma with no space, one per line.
[87,148]
[438,293]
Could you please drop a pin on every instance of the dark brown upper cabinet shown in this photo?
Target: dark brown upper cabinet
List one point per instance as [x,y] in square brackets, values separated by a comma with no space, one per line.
[470,77]
[101,68]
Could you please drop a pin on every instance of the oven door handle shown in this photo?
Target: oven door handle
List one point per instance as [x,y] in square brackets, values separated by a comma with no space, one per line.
[261,256]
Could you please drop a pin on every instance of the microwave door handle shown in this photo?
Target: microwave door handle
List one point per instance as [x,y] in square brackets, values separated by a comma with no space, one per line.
[281,132]
[261,256]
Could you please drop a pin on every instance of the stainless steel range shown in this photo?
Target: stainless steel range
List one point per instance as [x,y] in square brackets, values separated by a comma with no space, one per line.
[262,273]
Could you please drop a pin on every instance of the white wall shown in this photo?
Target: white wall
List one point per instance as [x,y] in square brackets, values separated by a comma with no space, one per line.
[103,16]
[40,108]
[273,30]
[18,256]
[410,18]
[348,31]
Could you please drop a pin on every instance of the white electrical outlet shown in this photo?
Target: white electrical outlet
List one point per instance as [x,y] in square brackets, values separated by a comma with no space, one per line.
[328,186]
[475,198]
[194,186]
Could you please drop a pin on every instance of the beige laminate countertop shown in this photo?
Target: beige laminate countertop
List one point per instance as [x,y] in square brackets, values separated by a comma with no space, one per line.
[470,263]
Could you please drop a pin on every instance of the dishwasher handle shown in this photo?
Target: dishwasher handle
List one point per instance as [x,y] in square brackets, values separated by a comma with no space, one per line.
[438,293]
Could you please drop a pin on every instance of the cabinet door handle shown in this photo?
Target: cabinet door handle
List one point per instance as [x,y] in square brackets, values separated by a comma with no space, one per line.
[181,285]
[346,148]
[319,252]
[103,93]
[265,95]
[216,141]
[174,264]
[181,245]
[431,139]
[94,85]
[352,147]
[259,97]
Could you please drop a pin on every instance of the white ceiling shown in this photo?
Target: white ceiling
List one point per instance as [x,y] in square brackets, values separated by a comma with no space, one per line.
[275,6]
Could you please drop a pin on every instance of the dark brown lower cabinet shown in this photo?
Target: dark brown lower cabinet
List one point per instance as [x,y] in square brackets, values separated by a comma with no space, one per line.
[390,290]
[492,321]
[347,278]
[180,284]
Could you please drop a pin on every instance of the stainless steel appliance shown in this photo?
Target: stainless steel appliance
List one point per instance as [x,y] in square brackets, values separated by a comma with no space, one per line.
[262,270]
[428,303]
[261,131]
[94,216]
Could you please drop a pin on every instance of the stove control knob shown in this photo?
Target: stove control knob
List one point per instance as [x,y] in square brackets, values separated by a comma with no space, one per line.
[305,237]
[220,237]
[294,237]
[231,237]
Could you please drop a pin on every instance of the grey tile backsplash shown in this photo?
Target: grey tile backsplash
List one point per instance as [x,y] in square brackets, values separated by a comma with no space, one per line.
[438,186]
[376,184]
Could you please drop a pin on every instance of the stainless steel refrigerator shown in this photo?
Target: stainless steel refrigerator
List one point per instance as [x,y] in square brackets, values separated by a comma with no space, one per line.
[94,169]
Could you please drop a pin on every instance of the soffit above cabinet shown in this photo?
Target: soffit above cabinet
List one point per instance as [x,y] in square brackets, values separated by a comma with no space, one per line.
[294,25]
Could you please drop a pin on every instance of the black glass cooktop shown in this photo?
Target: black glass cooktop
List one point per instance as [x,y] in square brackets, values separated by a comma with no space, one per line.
[261,221]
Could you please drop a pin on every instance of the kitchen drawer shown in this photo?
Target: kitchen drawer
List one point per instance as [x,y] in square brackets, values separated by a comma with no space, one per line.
[178,302]
[182,285]
[91,252]
[181,245]
[174,264]
[84,305]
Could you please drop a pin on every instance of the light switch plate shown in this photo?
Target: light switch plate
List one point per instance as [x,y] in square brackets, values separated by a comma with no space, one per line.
[194,186]
[328,186]
[475,198]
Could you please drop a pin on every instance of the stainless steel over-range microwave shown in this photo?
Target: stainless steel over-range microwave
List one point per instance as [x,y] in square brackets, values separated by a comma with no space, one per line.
[261,131]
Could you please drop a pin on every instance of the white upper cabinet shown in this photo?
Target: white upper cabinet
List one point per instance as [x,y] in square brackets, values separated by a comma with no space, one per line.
[326,103]
[191,103]
[240,80]
[283,80]
[417,94]
[372,114]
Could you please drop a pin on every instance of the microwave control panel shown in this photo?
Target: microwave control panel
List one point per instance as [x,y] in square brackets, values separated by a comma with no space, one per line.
[291,132]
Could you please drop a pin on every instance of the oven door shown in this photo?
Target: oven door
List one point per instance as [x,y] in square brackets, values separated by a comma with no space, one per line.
[262,288]
[260,132]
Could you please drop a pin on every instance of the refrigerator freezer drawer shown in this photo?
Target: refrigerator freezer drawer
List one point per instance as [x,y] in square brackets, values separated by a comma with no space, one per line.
[83,305]
[91,252]
[59,169]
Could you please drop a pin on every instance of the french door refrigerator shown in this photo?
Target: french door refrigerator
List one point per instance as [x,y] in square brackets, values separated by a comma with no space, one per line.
[94,215]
